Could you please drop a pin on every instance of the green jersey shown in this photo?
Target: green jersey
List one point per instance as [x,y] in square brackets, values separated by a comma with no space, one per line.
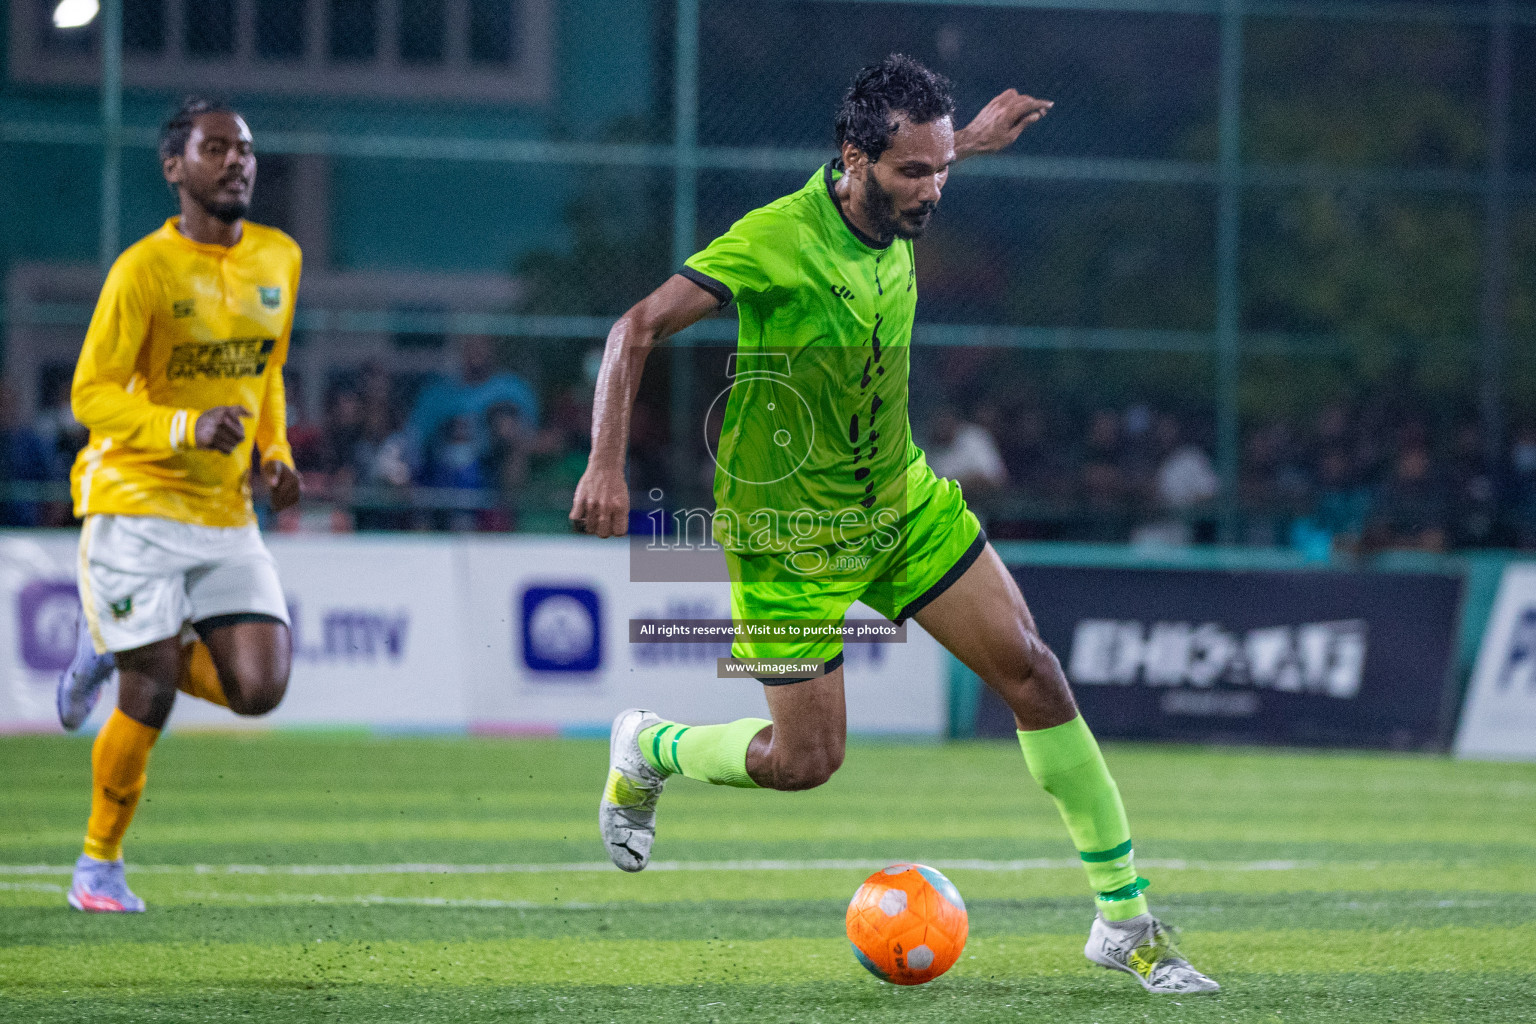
[815,447]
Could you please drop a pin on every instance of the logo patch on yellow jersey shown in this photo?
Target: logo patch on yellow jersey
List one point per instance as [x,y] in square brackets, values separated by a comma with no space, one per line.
[181,309]
[222,360]
[271,298]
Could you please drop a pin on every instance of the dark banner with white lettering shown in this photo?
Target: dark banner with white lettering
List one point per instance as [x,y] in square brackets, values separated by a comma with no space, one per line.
[1315,658]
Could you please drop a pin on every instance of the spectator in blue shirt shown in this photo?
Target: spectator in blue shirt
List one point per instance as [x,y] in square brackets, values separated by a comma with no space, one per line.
[478,386]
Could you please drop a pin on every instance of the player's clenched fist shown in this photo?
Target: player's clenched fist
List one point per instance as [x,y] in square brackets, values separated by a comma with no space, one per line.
[283,481]
[602,503]
[220,429]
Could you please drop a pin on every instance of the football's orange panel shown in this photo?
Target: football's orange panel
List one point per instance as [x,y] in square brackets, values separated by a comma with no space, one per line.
[903,928]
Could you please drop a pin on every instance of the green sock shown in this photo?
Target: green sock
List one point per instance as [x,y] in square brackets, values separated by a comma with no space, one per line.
[1066,762]
[716,754]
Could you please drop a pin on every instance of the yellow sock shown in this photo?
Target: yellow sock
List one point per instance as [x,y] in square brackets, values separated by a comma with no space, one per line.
[198,676]
[117,778]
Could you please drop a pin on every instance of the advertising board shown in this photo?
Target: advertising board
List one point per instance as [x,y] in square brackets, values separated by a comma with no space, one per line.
[553,648]
[498,634]
[1327,658]
[1498,720]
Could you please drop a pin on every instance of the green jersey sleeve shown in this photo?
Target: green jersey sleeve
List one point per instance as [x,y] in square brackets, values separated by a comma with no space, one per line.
[756,259]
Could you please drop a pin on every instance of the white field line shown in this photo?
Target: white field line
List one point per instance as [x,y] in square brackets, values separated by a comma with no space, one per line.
[1039,864]
[291,898]
[298,899]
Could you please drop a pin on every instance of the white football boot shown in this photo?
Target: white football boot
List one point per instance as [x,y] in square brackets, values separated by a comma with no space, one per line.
[99,887]
[80,685]
[1143,948]
[627,814]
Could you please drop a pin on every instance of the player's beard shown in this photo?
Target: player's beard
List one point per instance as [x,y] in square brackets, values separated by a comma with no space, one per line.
[226,210]
[880,210]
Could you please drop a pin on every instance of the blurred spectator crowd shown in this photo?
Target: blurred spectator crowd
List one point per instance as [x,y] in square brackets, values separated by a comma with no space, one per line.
[1350,481]
[481,448]
[471,449]
[465,452]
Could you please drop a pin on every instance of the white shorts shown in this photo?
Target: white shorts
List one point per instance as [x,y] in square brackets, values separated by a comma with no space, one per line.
[143,578]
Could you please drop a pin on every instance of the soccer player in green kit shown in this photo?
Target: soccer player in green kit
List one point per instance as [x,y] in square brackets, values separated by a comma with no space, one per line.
[823,499]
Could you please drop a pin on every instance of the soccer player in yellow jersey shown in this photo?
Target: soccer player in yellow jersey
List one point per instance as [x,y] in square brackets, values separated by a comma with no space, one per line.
[179,379]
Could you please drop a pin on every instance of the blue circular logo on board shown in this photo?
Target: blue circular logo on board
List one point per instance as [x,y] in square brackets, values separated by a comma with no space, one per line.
[562,629]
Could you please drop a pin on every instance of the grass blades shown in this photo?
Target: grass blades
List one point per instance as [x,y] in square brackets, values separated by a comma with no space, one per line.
[342,877]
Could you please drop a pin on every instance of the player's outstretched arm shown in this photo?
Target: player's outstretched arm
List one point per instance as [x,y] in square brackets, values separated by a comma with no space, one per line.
[999,124]
[602,497]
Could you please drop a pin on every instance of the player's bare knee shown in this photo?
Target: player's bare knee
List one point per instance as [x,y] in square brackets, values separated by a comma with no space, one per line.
[1031,669]
[809,769]
[256,705]
[1042,665]
[254,697]
[1032,682]
[1014,684]
[154,702]
[796,778]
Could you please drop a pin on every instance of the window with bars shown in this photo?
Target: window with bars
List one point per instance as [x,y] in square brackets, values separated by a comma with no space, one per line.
[144,26]
[208,27]
[280,29]
[354,30]
[471,49]
[423,32]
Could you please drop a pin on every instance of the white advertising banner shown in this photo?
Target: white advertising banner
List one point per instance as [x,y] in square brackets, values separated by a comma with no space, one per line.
[503,634]
[378,635]
[552,649]
[38,607]
[1498,720]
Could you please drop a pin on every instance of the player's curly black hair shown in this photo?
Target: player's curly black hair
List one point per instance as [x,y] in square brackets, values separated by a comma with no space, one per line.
[896,84]
[175,132]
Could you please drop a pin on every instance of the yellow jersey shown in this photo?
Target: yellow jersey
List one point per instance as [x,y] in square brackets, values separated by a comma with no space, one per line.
[181,327]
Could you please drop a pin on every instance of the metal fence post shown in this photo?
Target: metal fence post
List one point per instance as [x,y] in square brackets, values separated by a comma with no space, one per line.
[1493,309]
[111,130]
[685,155]
[1228,239]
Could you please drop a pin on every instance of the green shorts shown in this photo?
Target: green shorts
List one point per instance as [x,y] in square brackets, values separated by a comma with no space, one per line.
[940,539]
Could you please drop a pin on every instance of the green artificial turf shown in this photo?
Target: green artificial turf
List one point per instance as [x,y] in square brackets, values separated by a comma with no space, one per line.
[297,877]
